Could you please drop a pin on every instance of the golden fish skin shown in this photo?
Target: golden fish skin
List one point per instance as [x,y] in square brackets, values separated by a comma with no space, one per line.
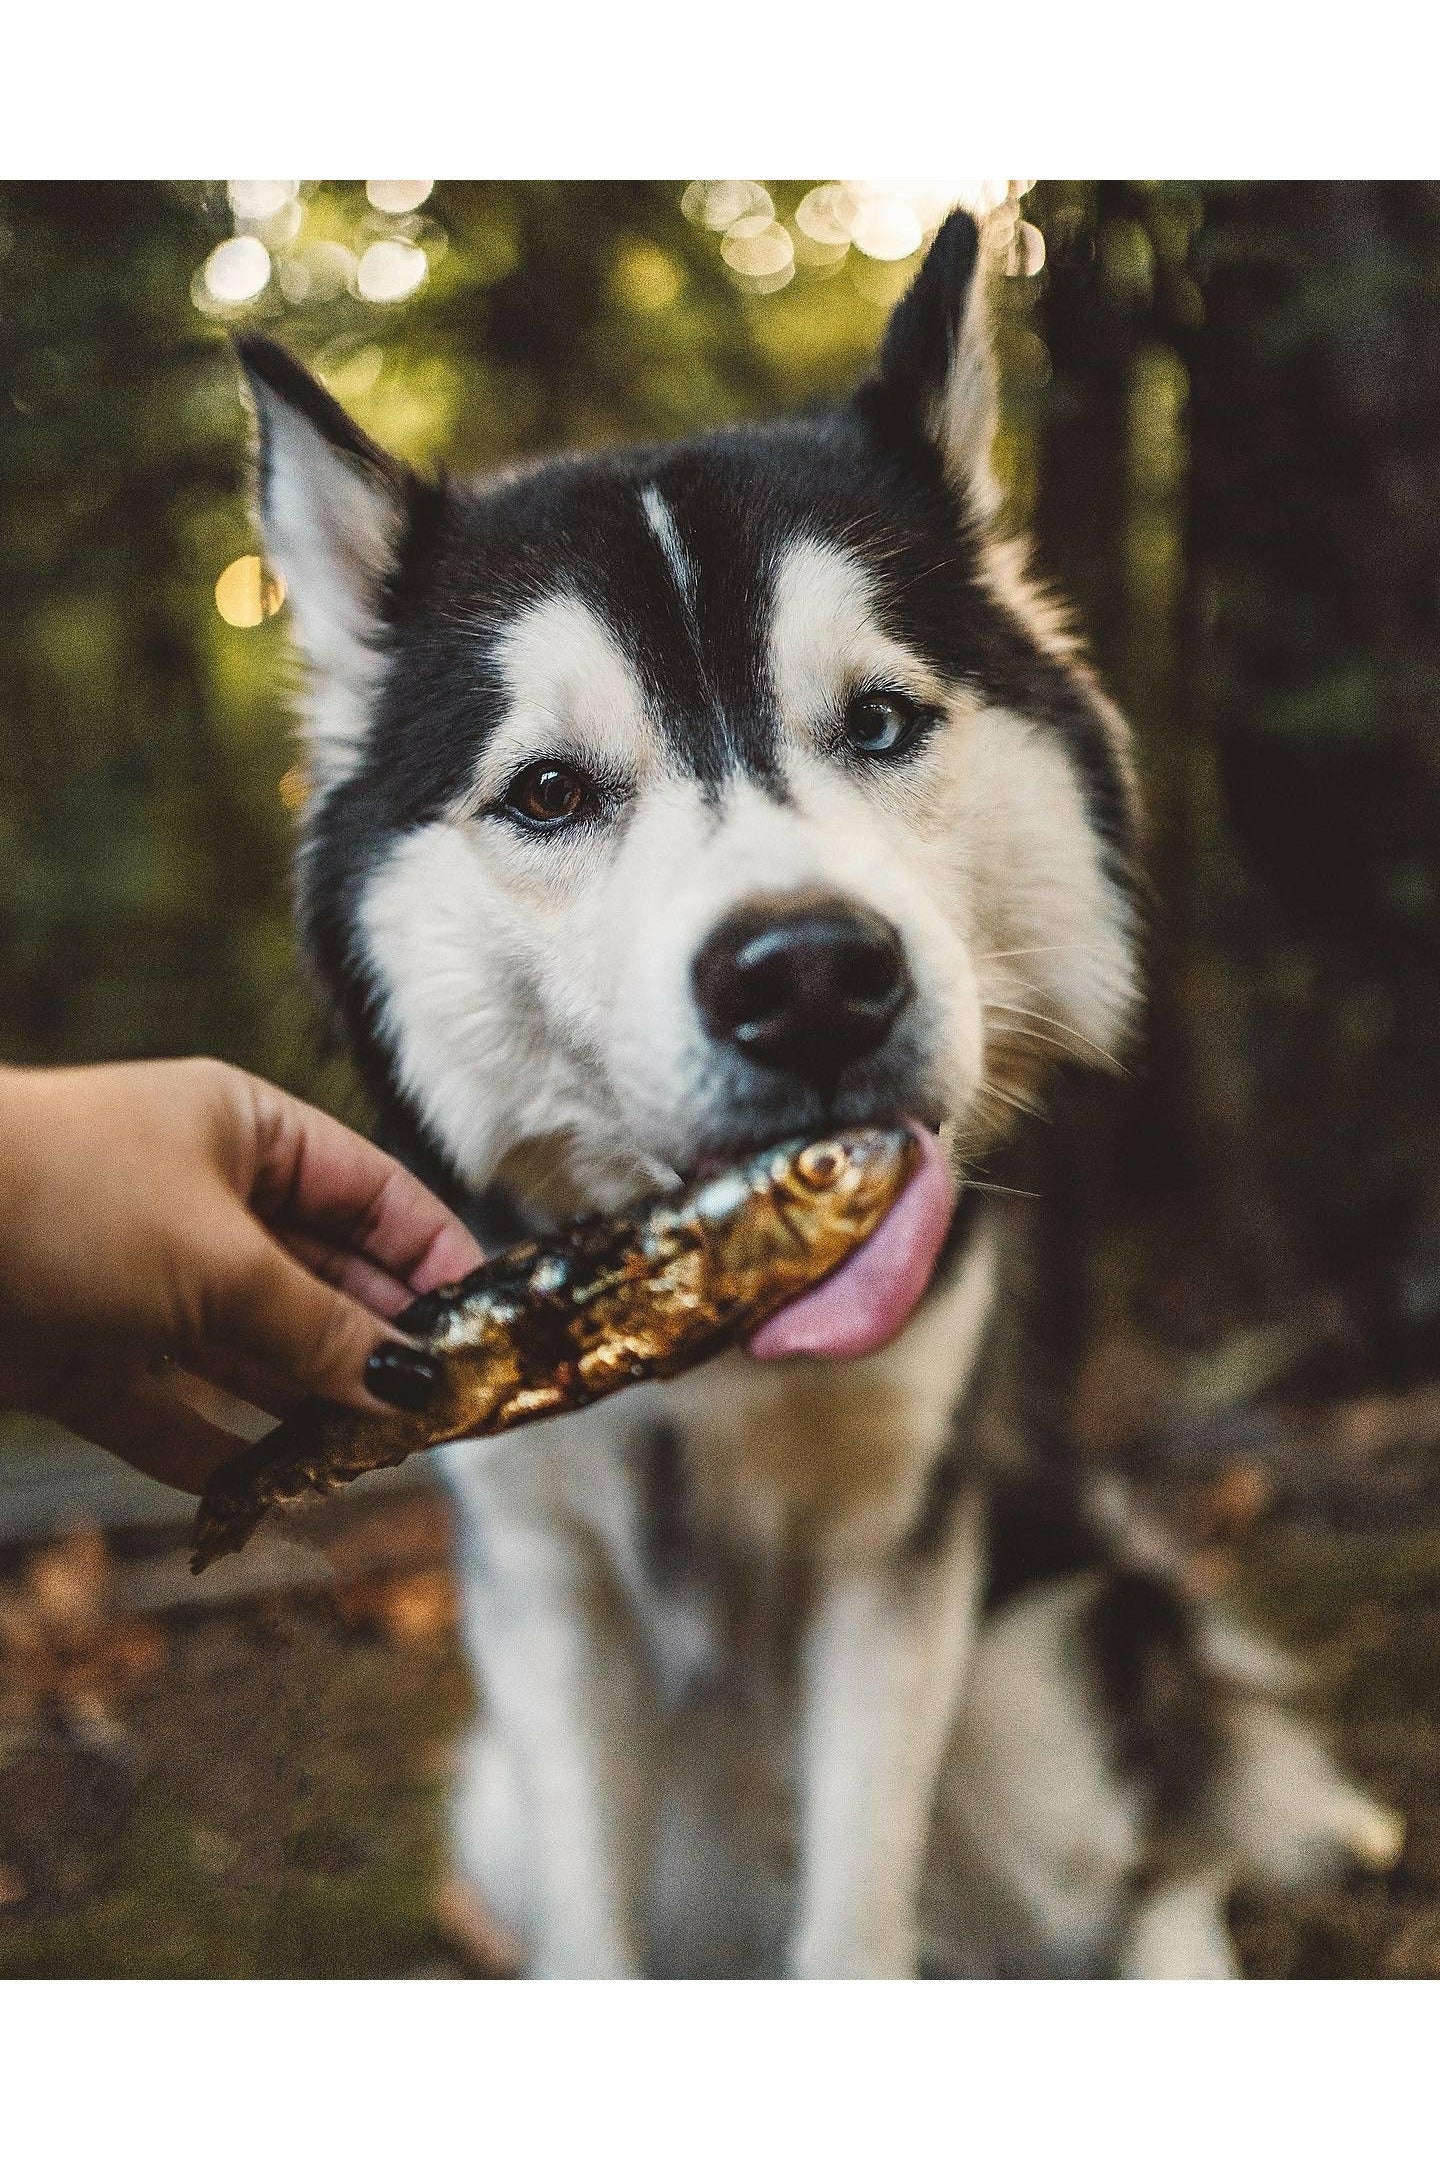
[553,1324]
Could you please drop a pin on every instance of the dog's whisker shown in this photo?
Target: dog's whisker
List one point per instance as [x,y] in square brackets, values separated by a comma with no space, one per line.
[1061,1027]
[1023,952]
[1021,1103]
[1060,1043]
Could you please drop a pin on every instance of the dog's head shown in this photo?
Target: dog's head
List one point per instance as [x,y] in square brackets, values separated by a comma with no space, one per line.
[669,801]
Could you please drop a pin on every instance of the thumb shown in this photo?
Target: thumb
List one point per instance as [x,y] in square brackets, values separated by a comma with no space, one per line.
[272,1309]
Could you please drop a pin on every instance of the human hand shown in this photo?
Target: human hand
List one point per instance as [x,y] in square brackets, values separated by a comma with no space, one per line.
[187,1211]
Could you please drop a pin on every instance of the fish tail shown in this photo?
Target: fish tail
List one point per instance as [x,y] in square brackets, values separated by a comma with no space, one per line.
[278,1468]
[301,1457]
[217,1532]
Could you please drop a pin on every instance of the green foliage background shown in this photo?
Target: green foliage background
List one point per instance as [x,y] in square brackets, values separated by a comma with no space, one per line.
[1223,416]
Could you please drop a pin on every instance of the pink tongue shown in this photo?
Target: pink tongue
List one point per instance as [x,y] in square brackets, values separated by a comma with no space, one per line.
[865,1303]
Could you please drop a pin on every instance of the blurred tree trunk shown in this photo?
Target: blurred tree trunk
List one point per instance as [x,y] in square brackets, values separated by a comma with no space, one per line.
[1241,486]
[1315,536]
[1111,520]
[1089,330]
[1207,1141]
[1141,400]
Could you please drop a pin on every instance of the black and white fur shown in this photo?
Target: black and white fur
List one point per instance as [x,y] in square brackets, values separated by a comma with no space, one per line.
[748,1704]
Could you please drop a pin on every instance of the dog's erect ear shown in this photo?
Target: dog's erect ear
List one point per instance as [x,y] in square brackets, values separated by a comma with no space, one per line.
[334,511]
[935,383]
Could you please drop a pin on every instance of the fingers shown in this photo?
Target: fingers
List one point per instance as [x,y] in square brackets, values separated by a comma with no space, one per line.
[349,1271]
[238,1381]
[264,1305]
[313,1174]
[153,1430]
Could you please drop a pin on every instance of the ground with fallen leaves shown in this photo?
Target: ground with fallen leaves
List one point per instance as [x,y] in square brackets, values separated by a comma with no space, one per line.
[248,1792]
[255,1790]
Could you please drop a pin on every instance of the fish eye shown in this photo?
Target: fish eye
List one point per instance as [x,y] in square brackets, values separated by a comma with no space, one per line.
[547,794]
[820,1164]
[882,723]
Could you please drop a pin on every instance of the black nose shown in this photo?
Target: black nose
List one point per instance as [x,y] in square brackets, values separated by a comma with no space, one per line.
[803,983]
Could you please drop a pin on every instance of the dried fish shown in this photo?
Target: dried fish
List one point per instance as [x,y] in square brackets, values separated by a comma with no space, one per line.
[551,1325]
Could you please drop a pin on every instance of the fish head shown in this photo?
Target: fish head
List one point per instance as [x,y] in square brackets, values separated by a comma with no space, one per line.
[781,1221]
[834,1190]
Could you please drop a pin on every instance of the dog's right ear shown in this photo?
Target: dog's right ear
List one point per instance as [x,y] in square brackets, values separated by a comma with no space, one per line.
[333,511]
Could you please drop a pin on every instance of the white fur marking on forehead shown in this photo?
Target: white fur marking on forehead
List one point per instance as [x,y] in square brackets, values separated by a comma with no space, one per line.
[662,523]
[825,635]
[568,686]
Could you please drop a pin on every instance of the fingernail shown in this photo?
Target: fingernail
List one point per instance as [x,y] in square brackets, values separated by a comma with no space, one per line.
[406,1379]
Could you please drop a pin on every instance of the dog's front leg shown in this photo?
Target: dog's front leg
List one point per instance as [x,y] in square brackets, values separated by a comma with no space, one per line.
[885,1652]
[563,1685]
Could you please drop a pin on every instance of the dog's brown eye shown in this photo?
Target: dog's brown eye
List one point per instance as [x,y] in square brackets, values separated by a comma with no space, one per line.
[881,723]
[547,794]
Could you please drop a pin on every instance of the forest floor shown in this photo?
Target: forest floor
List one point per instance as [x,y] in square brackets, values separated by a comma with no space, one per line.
[254,1790]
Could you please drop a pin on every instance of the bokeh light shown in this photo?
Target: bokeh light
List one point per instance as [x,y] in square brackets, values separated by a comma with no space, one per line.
[718,204]
[390,270]
[875,224]
[645,278]
[237,270]
[397,198]
[887,228]
[257,201]
[1029,251]
[246,592]
[758,247]
[301,245]
[824,215]
[313,246]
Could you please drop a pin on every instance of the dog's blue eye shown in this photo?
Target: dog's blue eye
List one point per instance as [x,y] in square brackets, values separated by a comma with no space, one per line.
[881,724]
[546,794]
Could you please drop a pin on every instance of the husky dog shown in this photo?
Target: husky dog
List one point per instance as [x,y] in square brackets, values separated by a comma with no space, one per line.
[664,803]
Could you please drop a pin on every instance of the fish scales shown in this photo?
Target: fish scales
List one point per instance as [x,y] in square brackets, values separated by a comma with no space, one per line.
[558,1322]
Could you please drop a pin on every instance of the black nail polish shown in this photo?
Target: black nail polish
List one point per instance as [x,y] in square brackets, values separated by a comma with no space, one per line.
[406,1379]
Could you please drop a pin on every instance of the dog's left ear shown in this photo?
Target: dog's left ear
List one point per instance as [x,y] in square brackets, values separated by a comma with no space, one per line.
[935,383]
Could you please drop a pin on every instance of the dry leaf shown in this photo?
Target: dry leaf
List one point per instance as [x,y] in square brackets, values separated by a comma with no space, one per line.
[1234,1503]
[67,1645]
[411,1609]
